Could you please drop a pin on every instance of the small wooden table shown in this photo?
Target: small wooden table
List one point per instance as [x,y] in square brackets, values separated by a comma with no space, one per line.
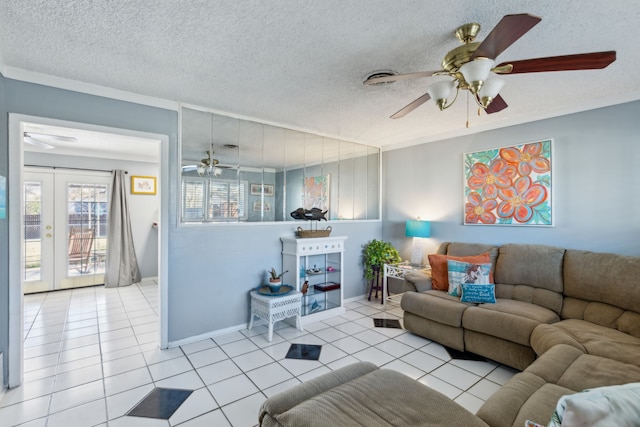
[275,308]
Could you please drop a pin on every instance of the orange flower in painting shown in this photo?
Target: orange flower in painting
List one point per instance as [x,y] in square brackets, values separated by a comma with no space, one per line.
[519,200]
[527,160]
[488,179]
[478,210]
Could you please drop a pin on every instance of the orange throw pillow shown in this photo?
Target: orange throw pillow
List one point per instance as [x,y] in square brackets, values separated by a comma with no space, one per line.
[440,273]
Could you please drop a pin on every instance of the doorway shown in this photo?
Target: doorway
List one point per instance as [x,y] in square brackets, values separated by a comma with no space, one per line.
[135,143]
[65,228]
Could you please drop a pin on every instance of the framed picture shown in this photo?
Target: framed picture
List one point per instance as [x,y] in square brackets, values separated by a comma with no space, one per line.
[260,206]
[143,184]
[315,192]
[509,185]
[257,189]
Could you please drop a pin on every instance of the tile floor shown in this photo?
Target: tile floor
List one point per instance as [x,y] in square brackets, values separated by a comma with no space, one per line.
[91,355]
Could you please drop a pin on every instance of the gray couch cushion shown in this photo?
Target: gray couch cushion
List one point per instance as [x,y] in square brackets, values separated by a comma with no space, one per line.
[511,320]
[372,397]
[435,305]
[601,277]
[588,337]
[539,266]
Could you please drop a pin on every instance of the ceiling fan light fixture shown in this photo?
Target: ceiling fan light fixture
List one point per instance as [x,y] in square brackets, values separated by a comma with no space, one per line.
[476,72]
[440,92]
[489,90]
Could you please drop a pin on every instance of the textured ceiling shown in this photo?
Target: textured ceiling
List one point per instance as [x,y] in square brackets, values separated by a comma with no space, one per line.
[301,63]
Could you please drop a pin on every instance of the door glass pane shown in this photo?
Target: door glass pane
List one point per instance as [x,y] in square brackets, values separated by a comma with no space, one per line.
[87,222]
[32,230]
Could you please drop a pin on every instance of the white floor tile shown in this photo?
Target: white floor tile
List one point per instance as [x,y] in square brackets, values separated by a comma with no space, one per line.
[252,360]
[483,389]
[456,376]
[28,390]
[422,360]
[127,381]
[371,337]
[237,348]
[469,402]
[480,368]
[124,364]
[314,373]
[244,413]
[350,345]
[198,403]
[88,414]
[437,350]
[189,380]
[272,391]
[75,396]
[119,404]
[442,386]
[501,374]
[330,353]
[158,355]
[395,348]
[374,356]
[169,368]
[24,411]
[218,371]
[402,367]
[269,375]
[232,389]
[414,341]
[214,418]
[331,334]
[78,377]
[207,357]
[198,346]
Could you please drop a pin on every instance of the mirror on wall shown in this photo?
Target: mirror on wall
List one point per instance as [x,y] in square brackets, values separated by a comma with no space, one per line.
[236,170]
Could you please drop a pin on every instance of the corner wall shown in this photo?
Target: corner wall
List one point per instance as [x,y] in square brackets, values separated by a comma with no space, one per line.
[596,158]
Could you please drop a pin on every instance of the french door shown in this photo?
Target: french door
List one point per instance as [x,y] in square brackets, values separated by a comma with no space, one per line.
[65,228]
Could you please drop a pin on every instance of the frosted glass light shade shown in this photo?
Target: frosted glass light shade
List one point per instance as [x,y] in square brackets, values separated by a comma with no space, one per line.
[490,88]
[476,71]
[440,90]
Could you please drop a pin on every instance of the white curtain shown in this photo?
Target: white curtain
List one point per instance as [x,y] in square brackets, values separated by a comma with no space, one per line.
[121,264]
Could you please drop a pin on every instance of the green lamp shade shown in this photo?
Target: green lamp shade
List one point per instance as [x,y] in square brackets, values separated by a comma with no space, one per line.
[417,228]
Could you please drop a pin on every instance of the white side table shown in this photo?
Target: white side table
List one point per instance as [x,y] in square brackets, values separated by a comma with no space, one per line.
[276,308]
[399,271]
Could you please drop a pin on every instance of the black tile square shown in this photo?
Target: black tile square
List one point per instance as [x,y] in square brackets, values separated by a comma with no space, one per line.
[387,323]
[160,403]
[464,355]
[304,352]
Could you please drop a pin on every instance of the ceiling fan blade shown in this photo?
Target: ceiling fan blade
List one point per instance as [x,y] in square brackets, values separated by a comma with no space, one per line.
[372,81]
[409,108]
[496,105]
[509,29]
[582,61]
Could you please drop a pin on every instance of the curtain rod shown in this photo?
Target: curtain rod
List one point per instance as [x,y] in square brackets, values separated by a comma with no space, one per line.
[77,169]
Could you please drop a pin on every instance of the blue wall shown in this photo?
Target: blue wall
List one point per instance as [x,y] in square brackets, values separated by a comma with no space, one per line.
[596,158]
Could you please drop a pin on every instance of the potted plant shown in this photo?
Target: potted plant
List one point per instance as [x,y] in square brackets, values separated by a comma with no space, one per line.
[275,279]
[376,253]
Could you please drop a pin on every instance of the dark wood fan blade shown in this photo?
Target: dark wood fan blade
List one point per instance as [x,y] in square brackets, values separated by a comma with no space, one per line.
[409,108]
[582,61]
[509,29]
[496,105]
[389,79]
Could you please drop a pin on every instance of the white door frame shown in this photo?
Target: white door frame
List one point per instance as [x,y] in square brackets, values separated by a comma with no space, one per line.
[15,195]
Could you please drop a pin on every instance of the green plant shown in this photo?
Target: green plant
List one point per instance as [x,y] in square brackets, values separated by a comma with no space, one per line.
[376,253]
[275,276]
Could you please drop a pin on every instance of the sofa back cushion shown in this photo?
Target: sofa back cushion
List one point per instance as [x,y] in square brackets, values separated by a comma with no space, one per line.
[531,273]
[539,266]
[602,277]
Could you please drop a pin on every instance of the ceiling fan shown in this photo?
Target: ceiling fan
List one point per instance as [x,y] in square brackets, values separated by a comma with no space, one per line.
[470,65]
[42,140]
[207,167]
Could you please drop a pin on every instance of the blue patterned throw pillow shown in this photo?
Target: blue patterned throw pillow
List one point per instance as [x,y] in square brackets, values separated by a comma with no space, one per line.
[478,293]
[465,272]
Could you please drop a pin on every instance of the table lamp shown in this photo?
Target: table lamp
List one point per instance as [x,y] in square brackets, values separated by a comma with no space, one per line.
[417,229]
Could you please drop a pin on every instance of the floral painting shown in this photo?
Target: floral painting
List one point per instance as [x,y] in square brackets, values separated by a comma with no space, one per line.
[509,185]
[316,192]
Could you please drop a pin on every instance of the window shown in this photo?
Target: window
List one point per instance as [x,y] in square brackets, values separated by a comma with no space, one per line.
[205,200]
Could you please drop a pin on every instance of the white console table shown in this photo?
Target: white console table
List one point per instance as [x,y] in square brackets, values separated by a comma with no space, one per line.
[398,271]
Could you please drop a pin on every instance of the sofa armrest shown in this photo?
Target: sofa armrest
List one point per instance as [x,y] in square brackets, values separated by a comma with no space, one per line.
[419,279]
[286,400]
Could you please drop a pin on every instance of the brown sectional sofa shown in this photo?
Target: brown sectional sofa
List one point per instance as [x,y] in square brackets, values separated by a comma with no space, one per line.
[569,319]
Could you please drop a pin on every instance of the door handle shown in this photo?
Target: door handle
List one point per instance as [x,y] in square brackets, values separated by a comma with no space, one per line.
[49,235]
[49,227]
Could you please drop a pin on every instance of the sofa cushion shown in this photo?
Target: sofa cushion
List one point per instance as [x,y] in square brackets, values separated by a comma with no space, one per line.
[539,266]
[543,297]
[435,305]
[440,270]
[341,399]
[590,338]
[601,277]
[602,314]
[511,320]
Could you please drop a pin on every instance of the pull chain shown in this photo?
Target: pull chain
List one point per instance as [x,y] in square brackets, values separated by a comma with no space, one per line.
[467,110]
